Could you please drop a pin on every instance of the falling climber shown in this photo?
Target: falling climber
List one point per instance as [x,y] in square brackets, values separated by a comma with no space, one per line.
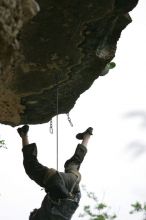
[62,188]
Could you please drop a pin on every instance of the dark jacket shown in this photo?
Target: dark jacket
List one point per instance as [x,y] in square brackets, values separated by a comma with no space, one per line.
[63,209]
[62,188]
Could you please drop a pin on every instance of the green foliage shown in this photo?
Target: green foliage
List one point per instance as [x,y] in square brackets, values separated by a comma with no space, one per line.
[139,208]
[112,65]
[96,210]
[2,144]
[99,211]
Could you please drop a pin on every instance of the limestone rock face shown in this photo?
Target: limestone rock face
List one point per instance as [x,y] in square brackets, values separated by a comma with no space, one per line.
[52,44]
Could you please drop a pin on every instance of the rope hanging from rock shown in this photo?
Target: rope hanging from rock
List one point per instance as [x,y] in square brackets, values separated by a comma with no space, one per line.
[57,127]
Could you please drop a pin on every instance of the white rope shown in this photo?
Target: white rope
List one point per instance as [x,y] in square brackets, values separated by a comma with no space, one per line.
[57,129]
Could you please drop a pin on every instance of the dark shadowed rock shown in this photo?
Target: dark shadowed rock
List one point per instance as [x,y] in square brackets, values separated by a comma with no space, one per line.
[64,44]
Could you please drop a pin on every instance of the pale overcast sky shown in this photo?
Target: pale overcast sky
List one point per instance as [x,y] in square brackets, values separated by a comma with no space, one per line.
[115,167]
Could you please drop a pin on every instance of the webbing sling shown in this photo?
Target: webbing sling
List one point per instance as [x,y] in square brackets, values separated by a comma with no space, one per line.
[76,173]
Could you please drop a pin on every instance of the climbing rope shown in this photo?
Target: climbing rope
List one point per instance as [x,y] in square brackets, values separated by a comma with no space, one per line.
[57,149]
[57,125]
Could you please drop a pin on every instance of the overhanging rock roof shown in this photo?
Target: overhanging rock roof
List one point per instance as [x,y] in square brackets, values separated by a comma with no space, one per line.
[65,44]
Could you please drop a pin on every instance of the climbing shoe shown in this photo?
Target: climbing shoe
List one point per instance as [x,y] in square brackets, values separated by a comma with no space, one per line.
[81,135]
[23,130]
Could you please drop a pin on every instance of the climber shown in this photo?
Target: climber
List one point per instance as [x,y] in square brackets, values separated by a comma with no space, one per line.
[62,188]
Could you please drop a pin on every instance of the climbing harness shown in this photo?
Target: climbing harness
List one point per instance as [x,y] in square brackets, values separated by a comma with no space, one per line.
[78,175]
[71,195]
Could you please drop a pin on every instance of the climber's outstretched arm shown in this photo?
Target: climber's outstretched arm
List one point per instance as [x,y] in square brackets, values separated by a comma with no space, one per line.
[75,161]
[33,168]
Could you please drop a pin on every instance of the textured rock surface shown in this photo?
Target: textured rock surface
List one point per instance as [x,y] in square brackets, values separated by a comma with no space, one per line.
[66,44]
